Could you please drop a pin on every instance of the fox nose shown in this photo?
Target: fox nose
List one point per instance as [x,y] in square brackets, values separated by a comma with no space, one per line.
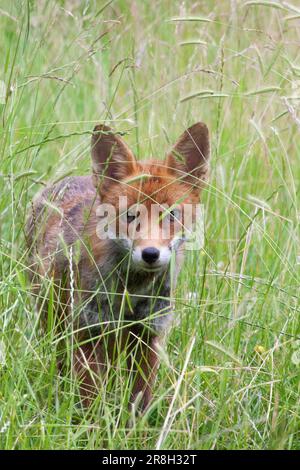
[150,255]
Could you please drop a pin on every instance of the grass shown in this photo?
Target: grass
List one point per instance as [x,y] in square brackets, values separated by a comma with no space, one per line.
[229,374]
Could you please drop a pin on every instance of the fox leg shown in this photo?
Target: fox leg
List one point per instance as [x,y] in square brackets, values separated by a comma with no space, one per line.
[88,366]
[143,364]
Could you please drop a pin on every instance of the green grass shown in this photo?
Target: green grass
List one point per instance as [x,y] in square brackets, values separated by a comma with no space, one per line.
[229,374]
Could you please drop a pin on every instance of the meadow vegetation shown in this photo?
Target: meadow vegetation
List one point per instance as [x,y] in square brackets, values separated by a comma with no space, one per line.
[229,373]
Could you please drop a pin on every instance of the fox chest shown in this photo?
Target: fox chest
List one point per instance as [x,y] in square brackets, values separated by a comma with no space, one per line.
[147,303]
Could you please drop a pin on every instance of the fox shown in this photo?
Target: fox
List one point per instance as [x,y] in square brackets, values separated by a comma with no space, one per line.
[113,276]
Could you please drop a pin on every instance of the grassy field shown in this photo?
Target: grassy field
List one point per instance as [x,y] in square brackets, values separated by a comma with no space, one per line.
[230,368]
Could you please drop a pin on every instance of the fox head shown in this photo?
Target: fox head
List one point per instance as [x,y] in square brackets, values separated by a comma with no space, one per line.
[153,201]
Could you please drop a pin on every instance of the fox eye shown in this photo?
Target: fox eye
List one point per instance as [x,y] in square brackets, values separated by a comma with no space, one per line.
[174,214]
[131,217]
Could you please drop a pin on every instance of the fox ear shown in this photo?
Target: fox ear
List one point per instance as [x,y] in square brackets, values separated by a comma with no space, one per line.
[189,158]
[112,160]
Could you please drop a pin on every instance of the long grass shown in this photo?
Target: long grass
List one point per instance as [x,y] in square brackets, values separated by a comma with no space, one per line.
[229,373]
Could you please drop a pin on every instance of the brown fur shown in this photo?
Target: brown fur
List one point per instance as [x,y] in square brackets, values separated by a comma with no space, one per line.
[64,218]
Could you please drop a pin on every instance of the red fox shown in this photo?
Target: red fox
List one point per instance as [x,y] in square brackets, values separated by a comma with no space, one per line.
[111,272]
